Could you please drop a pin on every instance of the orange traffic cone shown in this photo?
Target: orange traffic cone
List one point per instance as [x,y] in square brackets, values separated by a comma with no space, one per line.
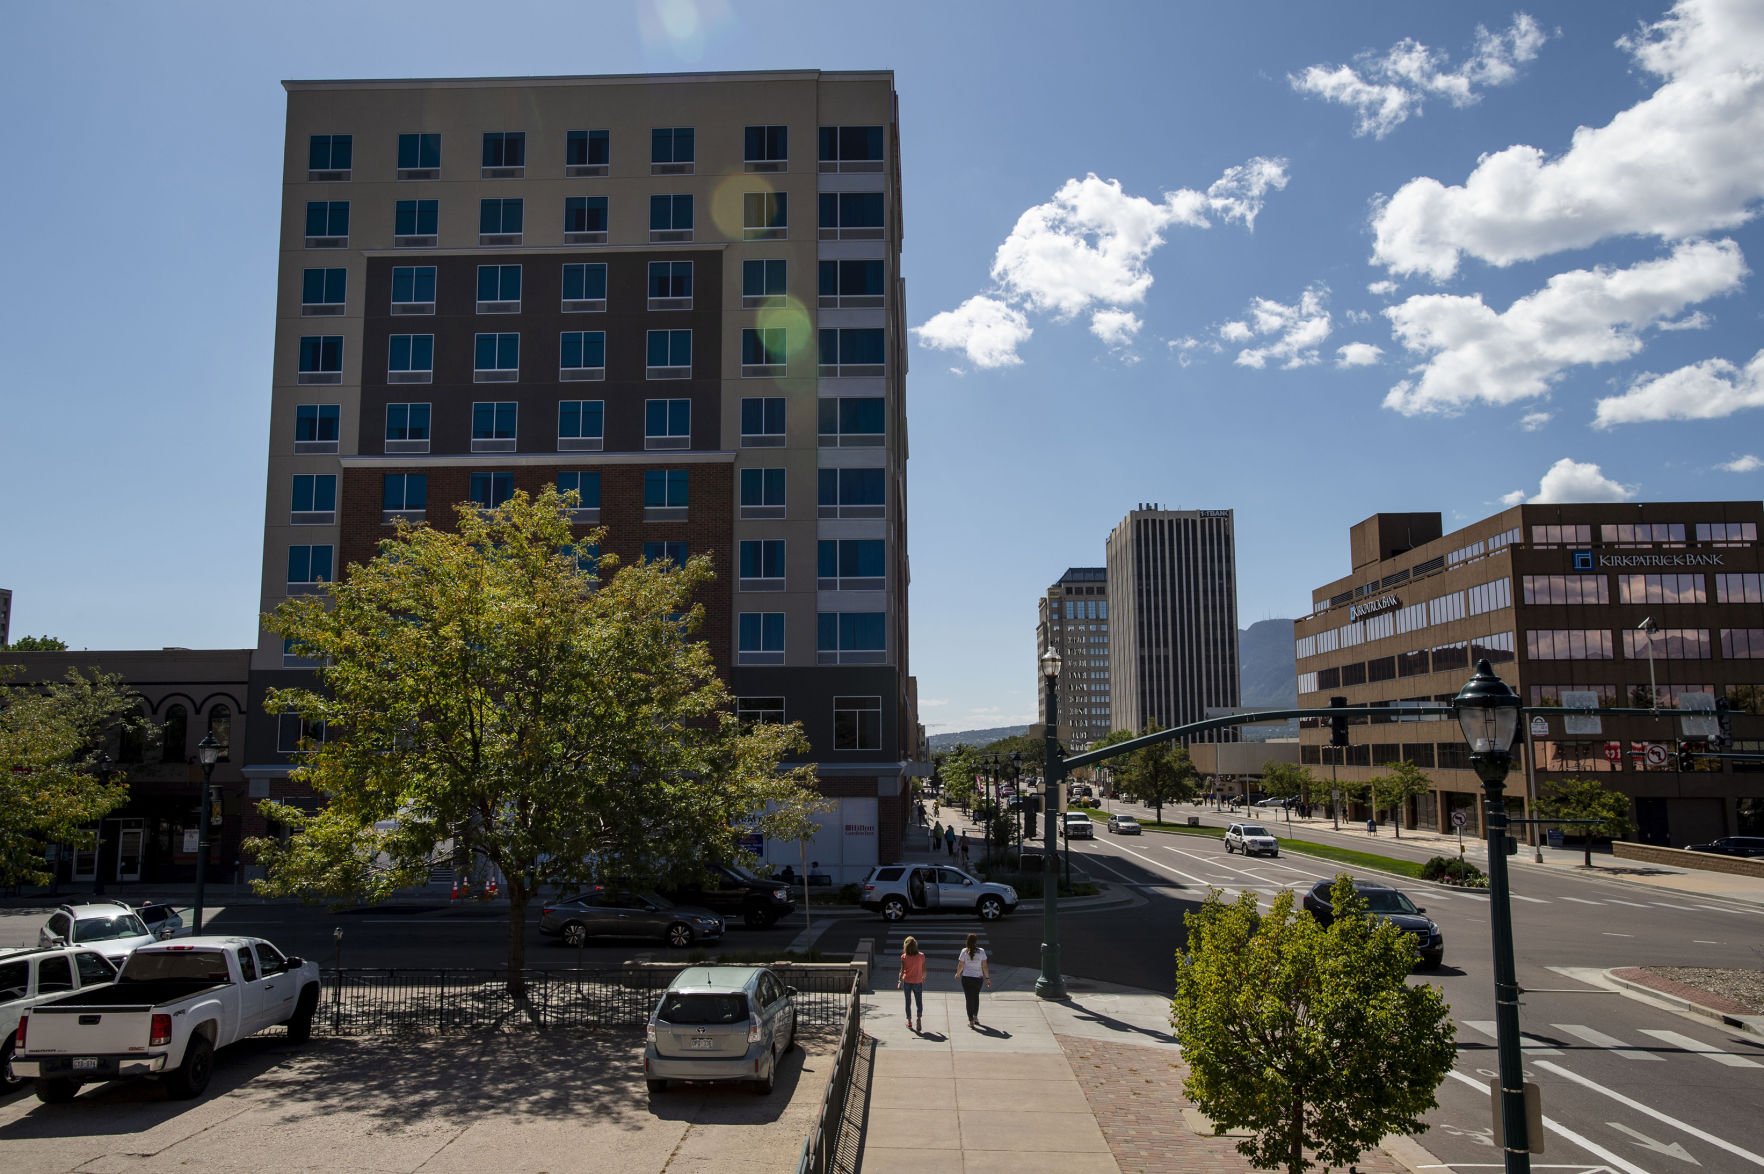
[455,894]
[490,888]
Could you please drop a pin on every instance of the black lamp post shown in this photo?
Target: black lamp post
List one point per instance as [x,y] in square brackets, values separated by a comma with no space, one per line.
[1017,792]
[1050,985]
[1488,713]
[207,753]
[104,768]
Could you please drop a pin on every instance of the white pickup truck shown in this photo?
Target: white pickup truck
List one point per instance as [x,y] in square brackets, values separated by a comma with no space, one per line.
[172,1005]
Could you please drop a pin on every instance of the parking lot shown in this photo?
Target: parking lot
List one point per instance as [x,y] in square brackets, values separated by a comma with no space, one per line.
[554,1101]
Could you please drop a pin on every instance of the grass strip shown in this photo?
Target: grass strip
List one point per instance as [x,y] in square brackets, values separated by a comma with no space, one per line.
[1353,856]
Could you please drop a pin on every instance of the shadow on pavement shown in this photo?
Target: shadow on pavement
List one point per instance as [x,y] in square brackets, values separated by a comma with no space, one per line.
[1086,1015]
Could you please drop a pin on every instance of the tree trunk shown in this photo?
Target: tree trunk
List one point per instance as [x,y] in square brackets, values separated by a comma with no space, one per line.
[517,936]
[1295,1160]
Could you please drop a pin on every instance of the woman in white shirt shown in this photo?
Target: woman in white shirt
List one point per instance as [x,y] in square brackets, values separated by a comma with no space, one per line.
[975,971]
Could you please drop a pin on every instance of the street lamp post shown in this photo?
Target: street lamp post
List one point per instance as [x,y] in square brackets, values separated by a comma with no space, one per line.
[104,768]
[1050,985]
[1649,627]
[1017,794]
[1488,713]
[207,753]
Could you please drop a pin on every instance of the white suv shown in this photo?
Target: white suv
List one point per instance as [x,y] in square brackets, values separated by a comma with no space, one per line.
[27,977]
[1251,839]
[109,927]
[894,890]
[1079,826]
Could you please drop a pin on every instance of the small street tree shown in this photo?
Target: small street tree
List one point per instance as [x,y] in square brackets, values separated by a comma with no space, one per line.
[1392,790]
[501,691]
[960,766]
[1581,798]
[51,737]
[1154,776]
[1310,1037]
[1288,780]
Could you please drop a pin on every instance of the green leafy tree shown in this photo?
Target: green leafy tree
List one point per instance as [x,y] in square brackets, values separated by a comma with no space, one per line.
[1309,1037]
[1155,776]
[961,766]
[1580,798]
[50,741]
[36,644]
[1288,780]
[497,691]
[1392,788]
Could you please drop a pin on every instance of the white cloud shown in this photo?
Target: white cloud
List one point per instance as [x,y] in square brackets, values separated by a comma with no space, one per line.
[1358,317]
[1695,320]
[1115,327]
[1745,464]
[1472,353]
[1517,497]
[1708,390]
[989,330]
[1573,481]
[1088,249]
[1384,91]
[1296,330]
[1379,289]
[1681,162]
[1534,421]
[1357,354]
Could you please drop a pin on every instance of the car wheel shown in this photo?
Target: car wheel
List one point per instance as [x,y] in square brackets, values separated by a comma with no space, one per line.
[192,1076]
[574,933]
[764,1085]
[790,1041]
[57,1091]
[756,917]
[8,1082]
[893,909]
[300,1027]
[1433,963]
[679,935]
[657,1086]
[990,908]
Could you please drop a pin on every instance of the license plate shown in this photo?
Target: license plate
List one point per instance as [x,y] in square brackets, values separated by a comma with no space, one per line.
[703,1045]
[84,1063]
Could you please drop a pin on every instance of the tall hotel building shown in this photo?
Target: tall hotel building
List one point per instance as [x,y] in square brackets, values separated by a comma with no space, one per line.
[1172,587]
[679,296]
[1073,620]
[1608,605]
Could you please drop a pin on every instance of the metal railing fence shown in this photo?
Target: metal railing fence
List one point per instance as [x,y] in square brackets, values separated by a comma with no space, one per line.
[821,1147]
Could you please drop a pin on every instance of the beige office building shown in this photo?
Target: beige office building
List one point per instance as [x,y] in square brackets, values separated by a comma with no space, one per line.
[1073,619]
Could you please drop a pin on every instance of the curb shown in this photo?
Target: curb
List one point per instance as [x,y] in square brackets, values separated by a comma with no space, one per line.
[1750,1024]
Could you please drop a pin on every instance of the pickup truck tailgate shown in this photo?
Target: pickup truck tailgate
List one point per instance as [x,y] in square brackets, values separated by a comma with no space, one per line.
[87,1031]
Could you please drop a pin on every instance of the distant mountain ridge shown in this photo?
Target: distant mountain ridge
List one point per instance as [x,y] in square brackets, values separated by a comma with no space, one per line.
[975,737]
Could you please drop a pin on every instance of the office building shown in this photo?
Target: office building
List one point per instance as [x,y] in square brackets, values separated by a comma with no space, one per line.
[1073,620]
[1172,587]
[1601,605]
[711,263]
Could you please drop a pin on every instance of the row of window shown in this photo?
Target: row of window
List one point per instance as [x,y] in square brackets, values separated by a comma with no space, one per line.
[765,216]
[673,150]
[581,355]
[1646,534]
[850,422]
[1459,655]
[842,284]
[1661,644]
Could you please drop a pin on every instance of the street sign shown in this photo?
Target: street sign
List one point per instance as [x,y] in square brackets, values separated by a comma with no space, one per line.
[1539,727]
[1460,817]
[1655,754]
[1581,725]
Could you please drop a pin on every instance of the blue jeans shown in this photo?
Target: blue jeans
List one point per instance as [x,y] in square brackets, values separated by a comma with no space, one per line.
[915,992]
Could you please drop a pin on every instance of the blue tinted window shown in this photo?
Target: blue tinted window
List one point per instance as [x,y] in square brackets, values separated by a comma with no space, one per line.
[579,419]
[404,491]
[419,150]
[664,488]
[491,489]
[505,149]
[851,209]
[670,279]
[585,214]
[851,631]
[315,493]
[327,218]
[762,347]
[845,144]
[413,283]
[584,282]
[499,216]
[670,212]
[499,283]
[658,552]
[673,144]
[763,279]
[583,349]
[762,416]
[411,352]
[321,354]
[670,348]
[309,564]
[762,487]
[407,421]
[323,287]
[415,218]
[585,147]
[493,421]
[762,558]
[853,416]
[316,422]
[852,486]
[861,558]
[497,352]
[762,631]
[584,482]
[667,417]
[330,152]
[851,279]
[767,144]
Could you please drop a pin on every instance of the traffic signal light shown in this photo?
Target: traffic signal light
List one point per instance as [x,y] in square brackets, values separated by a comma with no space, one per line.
[1338,731]
[1687,759]
[1723,722]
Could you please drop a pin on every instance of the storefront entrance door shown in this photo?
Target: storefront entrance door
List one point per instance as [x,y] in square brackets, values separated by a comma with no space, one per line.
[128,853]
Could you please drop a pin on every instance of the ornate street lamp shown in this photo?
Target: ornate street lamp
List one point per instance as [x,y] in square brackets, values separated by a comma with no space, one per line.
[207,753]
[1488,713]
[1050,985]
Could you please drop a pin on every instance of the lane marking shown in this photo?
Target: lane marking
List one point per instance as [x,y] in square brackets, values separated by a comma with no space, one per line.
[1703,942]
[1670,1149]
[1631,904]
[1671,905]
[1523,897]
[1723,1143]
[1609,934]
[1581,901]
[1702,1049]
[1526,1043]
[1589,1146]
[1600,1039]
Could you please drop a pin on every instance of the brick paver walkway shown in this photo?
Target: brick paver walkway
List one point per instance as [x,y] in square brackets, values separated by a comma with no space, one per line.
[1136,1093]
[1670,986]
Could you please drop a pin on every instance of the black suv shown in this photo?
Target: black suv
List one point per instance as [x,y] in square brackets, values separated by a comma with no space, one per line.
[734,892]
[1391,905]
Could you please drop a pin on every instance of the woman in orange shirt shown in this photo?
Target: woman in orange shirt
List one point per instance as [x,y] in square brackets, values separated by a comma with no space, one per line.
[912,981]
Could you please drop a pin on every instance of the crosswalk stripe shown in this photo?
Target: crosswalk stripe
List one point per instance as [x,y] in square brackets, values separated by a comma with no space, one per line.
[1600,1039]
[1534,1047]
[1710,1050]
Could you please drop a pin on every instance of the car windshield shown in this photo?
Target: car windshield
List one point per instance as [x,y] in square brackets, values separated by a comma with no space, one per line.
[105,929]
[1388,901]
[1125,819]
[1250,829]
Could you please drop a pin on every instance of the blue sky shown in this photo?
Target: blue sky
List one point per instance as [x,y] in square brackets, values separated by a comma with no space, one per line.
[1304,261]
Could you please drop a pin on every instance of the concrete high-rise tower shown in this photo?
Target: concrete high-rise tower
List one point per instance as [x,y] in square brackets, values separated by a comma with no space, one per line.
[1074,620]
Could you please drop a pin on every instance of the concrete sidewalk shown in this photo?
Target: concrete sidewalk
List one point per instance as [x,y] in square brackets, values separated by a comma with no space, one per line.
[1084,1086]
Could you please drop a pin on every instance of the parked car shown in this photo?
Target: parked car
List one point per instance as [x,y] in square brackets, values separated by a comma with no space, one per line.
[720,1023]
[894,890]
[28,977]
[110,927]
[162,921]
[1393,906]
[1078,826]
[732,892]
[173,1005]
[1279,801]
[1124,825]
[600,912]
[1733,846]
[1251,839]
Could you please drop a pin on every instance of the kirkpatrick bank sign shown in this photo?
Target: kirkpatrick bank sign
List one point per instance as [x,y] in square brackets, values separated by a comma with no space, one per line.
[1588,560]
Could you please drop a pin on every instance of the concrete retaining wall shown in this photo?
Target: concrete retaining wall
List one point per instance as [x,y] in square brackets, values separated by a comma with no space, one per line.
[1681,858]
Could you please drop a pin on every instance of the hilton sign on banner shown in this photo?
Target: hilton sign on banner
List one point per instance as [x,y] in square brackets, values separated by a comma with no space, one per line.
[1588,560]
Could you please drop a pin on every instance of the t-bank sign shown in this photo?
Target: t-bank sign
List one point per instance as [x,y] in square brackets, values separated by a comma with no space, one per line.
[1587,560]
[1372,607]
